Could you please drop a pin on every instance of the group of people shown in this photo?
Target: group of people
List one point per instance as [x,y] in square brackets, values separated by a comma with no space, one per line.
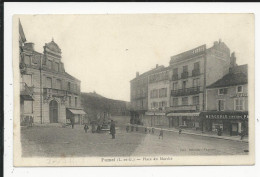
[112,128]
[146,130]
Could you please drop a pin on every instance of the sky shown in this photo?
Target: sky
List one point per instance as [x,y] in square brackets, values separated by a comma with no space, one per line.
[106,51]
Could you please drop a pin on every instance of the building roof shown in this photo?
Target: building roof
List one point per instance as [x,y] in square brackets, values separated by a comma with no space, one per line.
[147,73]
[70,76]
[236,76]
[21,33]
[53,46]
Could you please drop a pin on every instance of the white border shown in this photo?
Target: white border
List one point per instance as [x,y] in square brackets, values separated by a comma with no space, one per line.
[112,8]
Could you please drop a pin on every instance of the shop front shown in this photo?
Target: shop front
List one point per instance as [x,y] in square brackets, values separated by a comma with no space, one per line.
[184,120]
[76,114]
[230,122]
[155,119]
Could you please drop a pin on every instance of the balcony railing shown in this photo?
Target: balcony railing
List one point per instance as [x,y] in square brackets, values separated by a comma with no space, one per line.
[184,75]
[195,72]
[26,92]
[175,77]
[186,91]
[54,92]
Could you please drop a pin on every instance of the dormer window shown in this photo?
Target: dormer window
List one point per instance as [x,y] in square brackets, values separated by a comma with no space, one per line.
[222,91]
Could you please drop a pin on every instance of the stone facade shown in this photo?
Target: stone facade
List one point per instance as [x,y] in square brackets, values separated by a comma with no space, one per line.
[56,94]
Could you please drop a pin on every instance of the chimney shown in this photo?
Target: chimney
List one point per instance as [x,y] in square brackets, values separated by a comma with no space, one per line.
[233,60]
[29,46]
[219,41]
[157,65]
[137,74]
[215,43]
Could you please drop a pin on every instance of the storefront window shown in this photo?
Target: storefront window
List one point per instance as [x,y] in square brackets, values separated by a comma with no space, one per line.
[28,107]
[195,100]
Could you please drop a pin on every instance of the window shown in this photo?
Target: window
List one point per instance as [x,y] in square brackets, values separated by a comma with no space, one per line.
[175,71]
[175,86]
[184,100]
[69,86]
[221,105]
[175,102]
[48,82]
[58,84]
[76,101]
[27,78]
[69,100]
[239,89]
[197,66]
[28,107]
[184,83]
[27,60]
[222,91]
[185,68]
[196,100]
[154,94]
[196,82]
[49,64]
[163,92]
[56,66]
[239,104]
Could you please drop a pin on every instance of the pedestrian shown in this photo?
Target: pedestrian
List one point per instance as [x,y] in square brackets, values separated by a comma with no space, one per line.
[161,134]
[86,128]
[152,130]
[72,121]
[127,128]
[242,134]
[180,131]
[113,129]
[98,129]
[145,129]
[132,128]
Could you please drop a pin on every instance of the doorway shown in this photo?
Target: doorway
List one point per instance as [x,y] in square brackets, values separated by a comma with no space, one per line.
[53,111]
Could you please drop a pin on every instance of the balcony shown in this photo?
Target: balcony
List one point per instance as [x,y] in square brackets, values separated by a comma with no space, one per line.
[183,108]
[54,92]
[185,91]
[26,92]
[175,77]
[184,75]
[195,72]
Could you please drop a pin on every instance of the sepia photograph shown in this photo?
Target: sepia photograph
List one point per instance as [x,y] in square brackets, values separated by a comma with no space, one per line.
[133,89]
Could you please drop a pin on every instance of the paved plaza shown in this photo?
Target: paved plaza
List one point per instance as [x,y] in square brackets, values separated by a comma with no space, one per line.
[49,141]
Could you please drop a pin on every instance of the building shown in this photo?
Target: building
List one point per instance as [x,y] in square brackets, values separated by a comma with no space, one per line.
[192,72]
[48,93]
[158,97]
[139,95]
[227,103]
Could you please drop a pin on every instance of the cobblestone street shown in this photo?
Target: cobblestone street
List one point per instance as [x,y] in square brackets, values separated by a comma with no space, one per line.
[64,142]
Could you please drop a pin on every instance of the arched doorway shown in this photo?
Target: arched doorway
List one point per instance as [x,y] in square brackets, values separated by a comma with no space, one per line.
[53,111]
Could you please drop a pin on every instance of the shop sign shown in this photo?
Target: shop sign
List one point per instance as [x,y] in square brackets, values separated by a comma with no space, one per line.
[226,116]
[238,95]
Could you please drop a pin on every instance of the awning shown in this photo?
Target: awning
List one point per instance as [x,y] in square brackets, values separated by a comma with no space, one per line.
[155,113]
[76,111]
[194,114]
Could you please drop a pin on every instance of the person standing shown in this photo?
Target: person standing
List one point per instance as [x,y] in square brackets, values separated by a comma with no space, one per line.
[161,134]
[113,129]
[72,120]
[127,128]
[86,128]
